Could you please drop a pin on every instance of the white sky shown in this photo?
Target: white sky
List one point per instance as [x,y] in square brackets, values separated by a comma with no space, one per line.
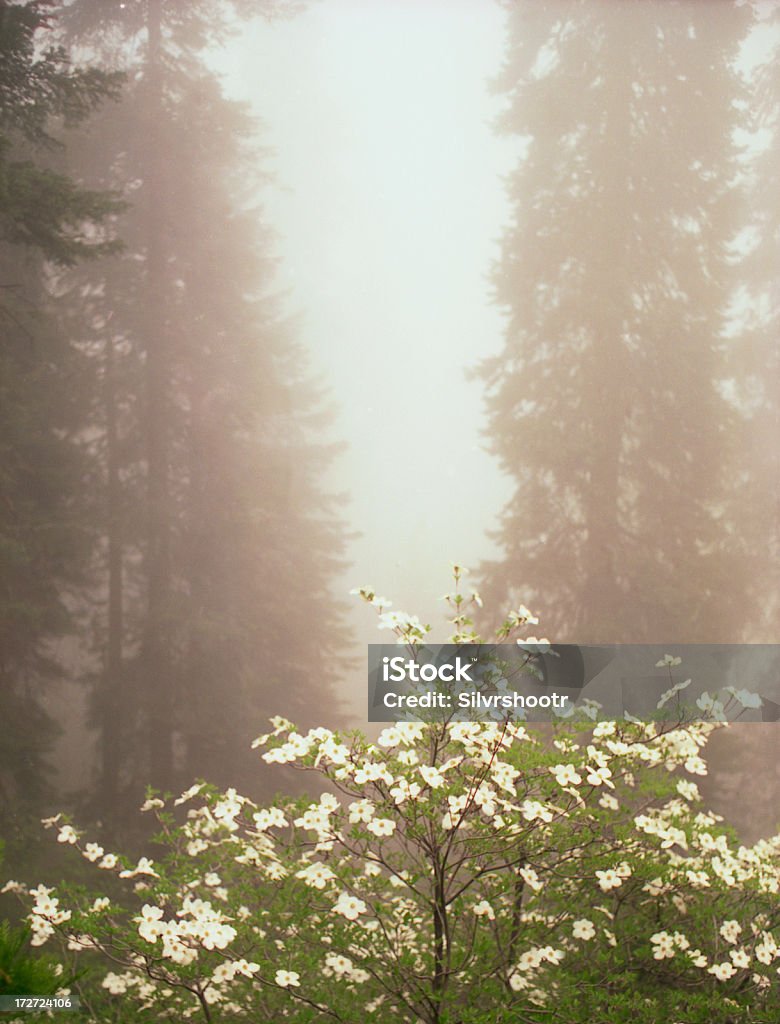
[389,205]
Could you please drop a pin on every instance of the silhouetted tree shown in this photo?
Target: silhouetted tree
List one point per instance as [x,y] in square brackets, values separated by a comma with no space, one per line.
[606,403]
[46,219]
[238,540]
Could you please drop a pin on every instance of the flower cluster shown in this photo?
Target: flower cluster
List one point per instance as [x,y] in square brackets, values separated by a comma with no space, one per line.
[453,870]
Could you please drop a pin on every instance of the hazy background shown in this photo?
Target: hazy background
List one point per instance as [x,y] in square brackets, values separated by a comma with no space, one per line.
[525,253]
[388,202]
[389,199]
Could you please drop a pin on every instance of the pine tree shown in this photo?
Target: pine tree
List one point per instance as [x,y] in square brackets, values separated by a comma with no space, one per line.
[606,403]
[46,219]
[40,208]
[220,491]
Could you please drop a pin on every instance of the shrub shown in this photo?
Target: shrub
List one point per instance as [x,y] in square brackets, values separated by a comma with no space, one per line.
[452,873]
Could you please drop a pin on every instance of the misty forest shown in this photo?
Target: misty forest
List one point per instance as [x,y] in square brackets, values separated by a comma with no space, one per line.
[298,296]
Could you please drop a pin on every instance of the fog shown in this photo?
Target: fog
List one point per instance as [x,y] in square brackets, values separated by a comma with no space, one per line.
[388,203]
[389,198]
[294,305]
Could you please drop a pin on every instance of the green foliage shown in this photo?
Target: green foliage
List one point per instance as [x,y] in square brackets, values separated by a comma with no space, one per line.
[41,542]
[38,83]
[39,207]
[45,218]
[22,972]
[452,873]
[47,211]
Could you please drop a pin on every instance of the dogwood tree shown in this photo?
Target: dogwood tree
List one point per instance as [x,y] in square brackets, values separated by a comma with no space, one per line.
[456,872]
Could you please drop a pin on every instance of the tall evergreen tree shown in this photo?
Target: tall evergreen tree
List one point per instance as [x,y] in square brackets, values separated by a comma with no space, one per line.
[238,540]
[41,209]
[605,404]
[46,219]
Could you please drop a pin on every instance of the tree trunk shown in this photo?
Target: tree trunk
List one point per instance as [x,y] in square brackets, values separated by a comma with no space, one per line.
[112,682]
[157,660]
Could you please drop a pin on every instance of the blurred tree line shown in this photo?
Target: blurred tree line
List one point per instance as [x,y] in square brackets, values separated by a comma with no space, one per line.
[624,403]
[161,436]
[635,399]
